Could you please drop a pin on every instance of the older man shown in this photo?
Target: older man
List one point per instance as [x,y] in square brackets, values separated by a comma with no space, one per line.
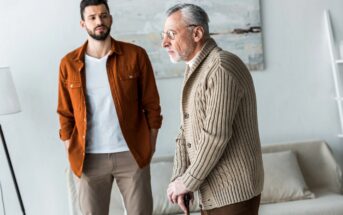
[218,149]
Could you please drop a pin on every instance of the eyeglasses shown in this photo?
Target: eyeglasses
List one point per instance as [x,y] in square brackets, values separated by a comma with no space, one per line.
[171,34]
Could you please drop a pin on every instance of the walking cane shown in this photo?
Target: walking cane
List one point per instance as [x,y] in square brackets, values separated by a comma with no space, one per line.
[186,199]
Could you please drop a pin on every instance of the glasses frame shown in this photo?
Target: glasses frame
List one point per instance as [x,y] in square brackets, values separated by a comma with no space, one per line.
[171,33]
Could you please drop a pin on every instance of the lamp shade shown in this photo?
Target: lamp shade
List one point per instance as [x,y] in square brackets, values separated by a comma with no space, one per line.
[9,102]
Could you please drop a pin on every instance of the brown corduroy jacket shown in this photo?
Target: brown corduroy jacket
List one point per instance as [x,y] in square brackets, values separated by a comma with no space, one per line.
[134,93]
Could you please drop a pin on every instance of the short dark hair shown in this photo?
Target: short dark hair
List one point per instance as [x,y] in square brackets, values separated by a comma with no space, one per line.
[86,3]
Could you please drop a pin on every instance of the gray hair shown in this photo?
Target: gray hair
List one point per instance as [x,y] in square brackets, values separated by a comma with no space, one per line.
[193,15]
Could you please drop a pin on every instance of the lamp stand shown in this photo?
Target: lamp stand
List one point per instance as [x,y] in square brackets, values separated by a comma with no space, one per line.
[12,171]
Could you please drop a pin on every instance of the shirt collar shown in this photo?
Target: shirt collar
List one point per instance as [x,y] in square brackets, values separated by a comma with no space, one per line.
[115,48]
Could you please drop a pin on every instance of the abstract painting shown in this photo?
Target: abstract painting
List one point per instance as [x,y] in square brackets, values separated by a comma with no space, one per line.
[234,24]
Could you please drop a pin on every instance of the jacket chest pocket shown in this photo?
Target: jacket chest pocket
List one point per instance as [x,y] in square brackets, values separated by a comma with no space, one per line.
[129,86]
[75,92]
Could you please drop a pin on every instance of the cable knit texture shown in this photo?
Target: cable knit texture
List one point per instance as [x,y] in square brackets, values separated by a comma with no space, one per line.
[218,149]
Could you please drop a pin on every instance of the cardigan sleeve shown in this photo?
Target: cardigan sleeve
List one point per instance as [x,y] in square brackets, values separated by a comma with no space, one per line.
[223,98]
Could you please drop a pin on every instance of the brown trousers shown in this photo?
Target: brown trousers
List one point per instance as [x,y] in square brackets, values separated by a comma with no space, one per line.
[99,172]
[249,207]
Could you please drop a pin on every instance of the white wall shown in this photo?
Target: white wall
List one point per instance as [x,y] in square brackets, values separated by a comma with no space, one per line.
[294,92]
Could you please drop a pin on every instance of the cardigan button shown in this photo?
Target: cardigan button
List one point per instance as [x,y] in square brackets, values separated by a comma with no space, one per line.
[189,145]
[186,115]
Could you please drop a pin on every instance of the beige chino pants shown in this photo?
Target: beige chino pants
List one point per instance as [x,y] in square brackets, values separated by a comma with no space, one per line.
[99,172]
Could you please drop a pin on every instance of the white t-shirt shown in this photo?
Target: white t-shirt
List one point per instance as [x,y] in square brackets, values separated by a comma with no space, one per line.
[104,134]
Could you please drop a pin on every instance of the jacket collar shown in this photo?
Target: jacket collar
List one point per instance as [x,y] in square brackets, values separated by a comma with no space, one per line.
[80,52]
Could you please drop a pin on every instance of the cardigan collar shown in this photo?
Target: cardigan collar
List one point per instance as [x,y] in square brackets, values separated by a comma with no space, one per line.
[209,45]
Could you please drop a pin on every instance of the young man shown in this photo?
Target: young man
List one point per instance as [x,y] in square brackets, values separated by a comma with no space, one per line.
[109,112]
[218,148]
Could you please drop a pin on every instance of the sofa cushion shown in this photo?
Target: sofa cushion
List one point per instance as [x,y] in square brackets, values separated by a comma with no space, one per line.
[313,155]
[325,203]
[283,178]
[161,171]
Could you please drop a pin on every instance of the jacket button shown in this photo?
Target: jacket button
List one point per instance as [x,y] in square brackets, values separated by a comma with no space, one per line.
[189,145]
[71,86]
[186,115]
[83,136]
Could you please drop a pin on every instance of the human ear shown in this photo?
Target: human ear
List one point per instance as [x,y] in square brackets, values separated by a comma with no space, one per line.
[198,33]
[82,24]
[111,18]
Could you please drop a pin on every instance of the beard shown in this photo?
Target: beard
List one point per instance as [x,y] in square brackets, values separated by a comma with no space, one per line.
[181,56]
[176,59]
[101,36]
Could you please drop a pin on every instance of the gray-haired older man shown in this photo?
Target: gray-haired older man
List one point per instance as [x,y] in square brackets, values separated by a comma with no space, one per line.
[218,149]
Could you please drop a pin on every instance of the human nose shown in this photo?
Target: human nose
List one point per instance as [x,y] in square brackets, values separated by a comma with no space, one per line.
[99,20]
[165,41]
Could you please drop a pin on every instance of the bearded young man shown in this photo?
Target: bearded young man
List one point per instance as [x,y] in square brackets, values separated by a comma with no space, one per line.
[109,112]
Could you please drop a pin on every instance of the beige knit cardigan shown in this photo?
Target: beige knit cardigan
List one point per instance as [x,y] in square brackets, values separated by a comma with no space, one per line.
[218,149]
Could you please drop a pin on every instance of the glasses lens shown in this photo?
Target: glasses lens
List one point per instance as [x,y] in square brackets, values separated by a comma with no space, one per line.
[171,35]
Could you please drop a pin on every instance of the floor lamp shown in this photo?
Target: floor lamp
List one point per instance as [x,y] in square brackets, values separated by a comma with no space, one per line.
[9,104]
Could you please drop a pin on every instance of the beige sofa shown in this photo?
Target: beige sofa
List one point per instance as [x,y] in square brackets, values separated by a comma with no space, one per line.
[301,178]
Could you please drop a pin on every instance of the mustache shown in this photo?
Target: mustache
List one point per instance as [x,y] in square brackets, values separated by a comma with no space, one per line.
[101,26]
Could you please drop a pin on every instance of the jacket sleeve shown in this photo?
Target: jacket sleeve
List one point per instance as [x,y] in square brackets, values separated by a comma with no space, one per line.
[64,106]
[181,160]
[224,94]
[148,92]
